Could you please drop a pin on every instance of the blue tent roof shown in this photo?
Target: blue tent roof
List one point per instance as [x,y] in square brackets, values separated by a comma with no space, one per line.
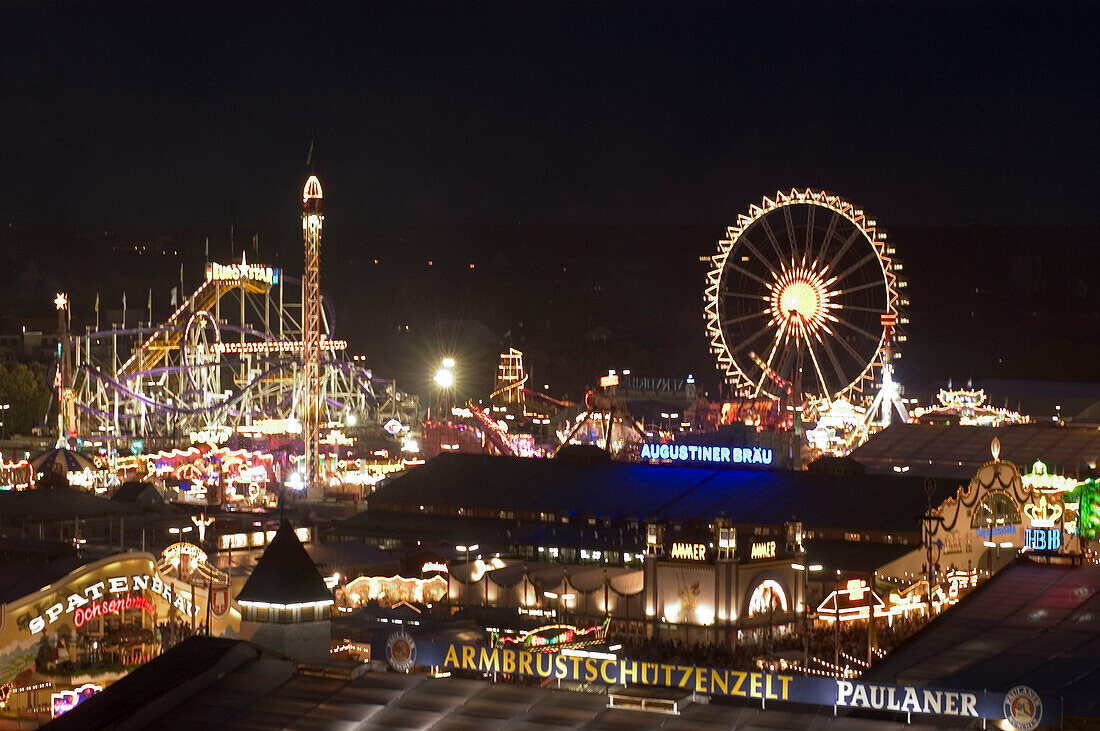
[617,489]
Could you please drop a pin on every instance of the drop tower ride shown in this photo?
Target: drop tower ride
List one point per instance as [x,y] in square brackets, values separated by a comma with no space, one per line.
[311,335]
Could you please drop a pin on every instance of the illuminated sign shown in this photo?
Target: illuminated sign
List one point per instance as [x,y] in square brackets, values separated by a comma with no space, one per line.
[611,669]
[86,600]
[763,550]
[173,553]
[275,346]
[706,455]
[1043,514]
[906,699]
[1039,479]
[100,609]
[217,435]
[236,272]
[690,551]
[609,381]
[271,426]
[67,700]
[1043,539]
[434,566]
[393,427]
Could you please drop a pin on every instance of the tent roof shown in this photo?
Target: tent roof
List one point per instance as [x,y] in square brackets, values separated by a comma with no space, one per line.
[958,451]
[285,574]
[1034,623]
[619,489]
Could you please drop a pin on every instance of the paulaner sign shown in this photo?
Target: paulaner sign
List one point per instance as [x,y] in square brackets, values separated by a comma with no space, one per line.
[1021,707]
[97,599]
[698,454]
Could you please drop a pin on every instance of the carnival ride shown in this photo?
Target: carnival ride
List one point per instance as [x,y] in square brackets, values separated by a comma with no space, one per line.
[801,306]
[250,344]
[605,423]
[512,424]
[228,356]
[966,407]
[804,275]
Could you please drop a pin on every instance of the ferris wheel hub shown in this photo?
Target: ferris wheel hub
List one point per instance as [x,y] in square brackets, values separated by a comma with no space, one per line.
[799,299]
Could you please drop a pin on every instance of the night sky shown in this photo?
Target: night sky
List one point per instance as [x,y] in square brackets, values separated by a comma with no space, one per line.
[669,113]
[530,118]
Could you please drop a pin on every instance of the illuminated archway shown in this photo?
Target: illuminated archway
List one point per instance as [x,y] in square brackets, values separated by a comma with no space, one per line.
[768,596]
[995,508]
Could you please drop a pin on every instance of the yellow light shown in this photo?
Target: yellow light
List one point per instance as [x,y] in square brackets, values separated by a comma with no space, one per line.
[799,302]
[61,301]
[312,189]
[799,297]
[445,378]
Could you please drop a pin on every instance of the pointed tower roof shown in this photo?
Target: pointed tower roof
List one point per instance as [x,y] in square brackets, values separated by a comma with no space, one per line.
[285,574]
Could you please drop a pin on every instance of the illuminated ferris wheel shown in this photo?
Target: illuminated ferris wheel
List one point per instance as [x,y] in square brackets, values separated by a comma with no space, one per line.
[803,284]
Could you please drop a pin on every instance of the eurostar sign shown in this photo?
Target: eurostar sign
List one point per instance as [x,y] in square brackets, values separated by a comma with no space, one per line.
[698,454]
[237,272]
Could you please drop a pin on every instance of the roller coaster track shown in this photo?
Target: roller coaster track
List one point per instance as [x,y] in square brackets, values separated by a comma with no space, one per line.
[510,386]
[500,438]
[167,336]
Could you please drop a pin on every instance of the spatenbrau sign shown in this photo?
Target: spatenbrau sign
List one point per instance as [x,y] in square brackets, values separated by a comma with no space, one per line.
[765,687]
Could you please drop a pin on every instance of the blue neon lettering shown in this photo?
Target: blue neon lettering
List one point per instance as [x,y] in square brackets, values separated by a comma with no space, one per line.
[700,453]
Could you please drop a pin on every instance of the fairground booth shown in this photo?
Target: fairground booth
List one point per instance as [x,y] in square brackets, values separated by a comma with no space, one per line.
[76,624]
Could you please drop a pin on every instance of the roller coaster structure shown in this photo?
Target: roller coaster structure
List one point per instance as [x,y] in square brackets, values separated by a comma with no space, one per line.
[230,355]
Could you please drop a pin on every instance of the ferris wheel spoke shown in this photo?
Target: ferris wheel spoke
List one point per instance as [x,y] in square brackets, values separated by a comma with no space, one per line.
[767,264]
[817,367]
[851,351]
[747,273]
[790,232]
[809,233]
[746,343]
[857,308]
[844,248]
[866,258]
[744,296]
[768,362]
[834,360]
[860,288]
[830,232]
[771,237]
[861,331]
[745,318]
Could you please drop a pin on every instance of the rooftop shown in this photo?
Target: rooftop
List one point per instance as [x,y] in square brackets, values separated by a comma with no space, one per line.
[956,452]
[211,683]
[285,574]
[1033,623]
[619,489]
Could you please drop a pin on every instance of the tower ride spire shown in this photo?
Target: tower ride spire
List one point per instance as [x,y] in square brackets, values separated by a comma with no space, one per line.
[311,335]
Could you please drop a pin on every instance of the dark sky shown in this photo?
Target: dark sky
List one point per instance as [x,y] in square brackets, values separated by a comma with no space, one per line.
[673,113]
